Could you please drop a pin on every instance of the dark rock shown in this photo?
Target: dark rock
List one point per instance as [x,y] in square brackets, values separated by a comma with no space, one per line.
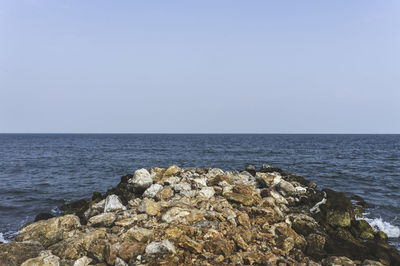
[43,216]
[96,197]
[269,169]
[251,169]
[78,208]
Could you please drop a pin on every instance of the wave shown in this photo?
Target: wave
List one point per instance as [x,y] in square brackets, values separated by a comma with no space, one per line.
[2,239]
[392,231]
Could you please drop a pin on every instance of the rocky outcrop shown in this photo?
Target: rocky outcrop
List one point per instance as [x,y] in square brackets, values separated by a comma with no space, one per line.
[205,216]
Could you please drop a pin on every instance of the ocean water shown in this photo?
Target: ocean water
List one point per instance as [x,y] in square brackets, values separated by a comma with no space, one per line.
[40,172]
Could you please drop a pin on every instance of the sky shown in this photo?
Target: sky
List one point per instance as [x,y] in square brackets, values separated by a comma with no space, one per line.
[200,66]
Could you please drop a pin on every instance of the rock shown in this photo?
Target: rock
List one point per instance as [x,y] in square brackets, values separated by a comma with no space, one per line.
[113,203]
[243,194]
[304,224]
[43,216]
[45,258]
[141,180]
[217,179]
[150,207]
[189,244]
[335,260]
[160,248]
[206,192]
[15,253]
[152,191]
[172,171]
[130,250]
[139,234]
[84,261]
[251,169]
[338,210]
[338,218]
[48,232]
[315,245]
[77,207]
[165,194]
[371,263]
[219,246]
[380,235]
[175,214]
[120,262]
[286,189]
[362,229]
[104,219]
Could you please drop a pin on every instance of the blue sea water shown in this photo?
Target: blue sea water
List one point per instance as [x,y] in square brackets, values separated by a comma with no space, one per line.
[40,172]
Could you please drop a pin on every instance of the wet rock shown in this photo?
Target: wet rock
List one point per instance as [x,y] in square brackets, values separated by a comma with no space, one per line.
[152,191]
[113,203]
[48,232]
[104,219]
[45,258]
[362,229]
[141,180]
[371,263]
[77,207]
[43,216]
[15,253]
[160,248]
[315,245]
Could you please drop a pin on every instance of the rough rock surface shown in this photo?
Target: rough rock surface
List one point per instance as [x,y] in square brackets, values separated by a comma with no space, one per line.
[178,216]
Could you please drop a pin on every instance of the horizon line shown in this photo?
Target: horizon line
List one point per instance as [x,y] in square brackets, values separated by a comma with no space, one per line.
[194,133]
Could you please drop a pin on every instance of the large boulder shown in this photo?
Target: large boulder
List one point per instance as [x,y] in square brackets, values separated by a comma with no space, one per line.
[113,203]
[48,232]
[141,180]
[45,258]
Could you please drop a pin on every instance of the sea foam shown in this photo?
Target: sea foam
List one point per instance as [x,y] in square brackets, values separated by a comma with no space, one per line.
[378,224]
[2,240]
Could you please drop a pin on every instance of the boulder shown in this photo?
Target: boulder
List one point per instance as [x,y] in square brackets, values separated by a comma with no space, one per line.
[150,207]
[113,203]
[84,261]
[174,214]
[152,191]
[139,234]
[206,192]
[104,219]
[141,180]
[48,232]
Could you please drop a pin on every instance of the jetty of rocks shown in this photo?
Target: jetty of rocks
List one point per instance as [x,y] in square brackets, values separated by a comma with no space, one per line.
[205,216]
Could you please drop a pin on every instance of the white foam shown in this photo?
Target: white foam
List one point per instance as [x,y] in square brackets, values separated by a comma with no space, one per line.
[2,240]
[378,224]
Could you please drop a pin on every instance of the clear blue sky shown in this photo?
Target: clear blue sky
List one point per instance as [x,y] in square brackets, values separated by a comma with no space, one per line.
[200,66]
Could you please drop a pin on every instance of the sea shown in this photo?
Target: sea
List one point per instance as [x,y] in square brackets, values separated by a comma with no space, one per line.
[41,172]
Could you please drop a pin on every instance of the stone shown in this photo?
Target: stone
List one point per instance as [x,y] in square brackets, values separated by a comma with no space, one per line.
[315,245]
[120,262]
[130,250]
[243,219]
[338,218]
[150,207]
[139,234]
[103,219]
[165,194]
[174,214]
[43,216]
[243,194]
[48,232]
[113,203]
[371,263]
[206,192]
[286,188]
[172,171]
[15,253]
[160,248]
[84,261]
[152,191]
[141,180]
[189,244]
[45,258]
[251,169]
[336,260]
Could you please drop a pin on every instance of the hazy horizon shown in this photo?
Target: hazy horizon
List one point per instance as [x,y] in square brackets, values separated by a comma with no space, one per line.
[257,67]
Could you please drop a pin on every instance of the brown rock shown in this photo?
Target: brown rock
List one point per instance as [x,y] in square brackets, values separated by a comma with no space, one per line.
[15,253]
[130,250]
[190,244]
[139,234]
[244,219]
[150,207]
[165,194]
[48,232]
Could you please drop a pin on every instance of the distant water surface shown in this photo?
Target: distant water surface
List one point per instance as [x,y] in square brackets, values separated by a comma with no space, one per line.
[40,172]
